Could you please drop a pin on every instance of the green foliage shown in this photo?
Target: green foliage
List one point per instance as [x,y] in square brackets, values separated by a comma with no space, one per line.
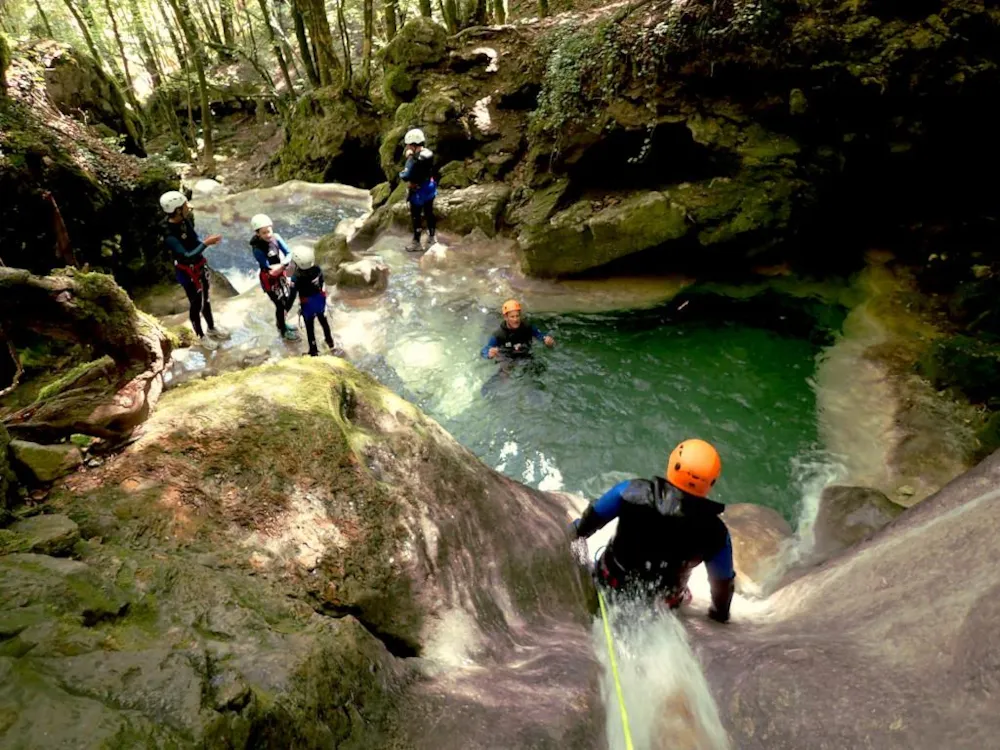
[586,68]
[965,363]
[4,61]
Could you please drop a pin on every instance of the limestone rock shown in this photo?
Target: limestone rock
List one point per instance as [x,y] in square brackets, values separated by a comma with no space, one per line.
[849,514]
[461,211]
[46,463]
[332,251]
[582,237]
[420,43]
[380,194]
[50,534]
[870,641]
[758,534]
[368,274]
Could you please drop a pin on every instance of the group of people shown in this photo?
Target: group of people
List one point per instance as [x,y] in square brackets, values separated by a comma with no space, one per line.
[284,274]
[667,525]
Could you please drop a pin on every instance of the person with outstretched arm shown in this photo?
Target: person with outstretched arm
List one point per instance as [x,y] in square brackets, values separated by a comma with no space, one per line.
[666,528]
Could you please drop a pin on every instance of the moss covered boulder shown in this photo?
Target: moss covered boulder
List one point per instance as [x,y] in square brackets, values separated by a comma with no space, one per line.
[7,479]
[45,463]
[77,86]
[49,534]
[329,137]
[847,515]
[227,596]
[583,237]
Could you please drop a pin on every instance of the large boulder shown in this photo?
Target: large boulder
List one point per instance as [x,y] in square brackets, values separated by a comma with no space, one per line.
[462,211]
[331,138]
[891,644]
[847,515]
[49,534]
[586,236]
[759,535]
[420,44]
[45,463]
[80,88]
[278,597]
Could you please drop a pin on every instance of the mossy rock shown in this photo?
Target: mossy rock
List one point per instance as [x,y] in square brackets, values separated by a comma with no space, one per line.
[455,175]
[398,85]
[580,237]
[49,534]
[962,362]
[45,463]
[380,194]
[7,478]
[327,138]
[419,44]
[332,250]
[4,62]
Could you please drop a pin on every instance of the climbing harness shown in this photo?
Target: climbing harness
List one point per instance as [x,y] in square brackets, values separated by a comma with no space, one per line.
[614,672]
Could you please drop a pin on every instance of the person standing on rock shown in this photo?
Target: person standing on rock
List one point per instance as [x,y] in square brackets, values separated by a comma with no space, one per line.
[273,256]
[190,264]
[419,172]
[666,528]
[514,336]
[308,282]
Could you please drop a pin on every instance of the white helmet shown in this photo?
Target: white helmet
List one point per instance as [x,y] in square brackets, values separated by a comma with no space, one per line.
[260,221]
[414,137]
[303,256]
[172,200]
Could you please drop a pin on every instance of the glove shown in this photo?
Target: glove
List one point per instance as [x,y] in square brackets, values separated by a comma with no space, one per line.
[588,523]
[722,596]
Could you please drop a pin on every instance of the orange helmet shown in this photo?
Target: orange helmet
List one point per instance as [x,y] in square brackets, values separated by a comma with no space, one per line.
[693,467]
[510,306]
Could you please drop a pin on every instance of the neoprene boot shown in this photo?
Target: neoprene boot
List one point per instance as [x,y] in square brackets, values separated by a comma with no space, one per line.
[722,597]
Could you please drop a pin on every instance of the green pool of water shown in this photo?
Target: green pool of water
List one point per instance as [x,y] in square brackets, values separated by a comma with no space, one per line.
[617,393]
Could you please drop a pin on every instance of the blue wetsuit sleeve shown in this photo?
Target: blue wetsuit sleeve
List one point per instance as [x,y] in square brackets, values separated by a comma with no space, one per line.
[261,258]
[602,511]
[407,170]
[177,248]
[489,345]
[537,334]
[720,566]
[282,246]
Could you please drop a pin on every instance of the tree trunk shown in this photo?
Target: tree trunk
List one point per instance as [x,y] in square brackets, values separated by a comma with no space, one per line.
[226,16]
[319,29]
[499,12]
[148,57]
[368,15]
[183,13]
[425,8]
[345,41]
[129,85]
[543,8]
[391,18]
[304,51]
[85,30]
[45,19]
[206,18]
[276,46]
[449,9]
[281,29]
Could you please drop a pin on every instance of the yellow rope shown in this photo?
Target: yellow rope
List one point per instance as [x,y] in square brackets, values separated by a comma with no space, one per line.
[614,672]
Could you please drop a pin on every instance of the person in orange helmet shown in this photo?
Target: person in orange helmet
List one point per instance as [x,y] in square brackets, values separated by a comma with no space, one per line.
[666,528]
[514,336]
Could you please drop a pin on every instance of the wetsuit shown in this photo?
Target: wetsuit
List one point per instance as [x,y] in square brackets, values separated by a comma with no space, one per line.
[309,283]
[513,342]
[270,254]
[663,534]
[191,270]
[419,172]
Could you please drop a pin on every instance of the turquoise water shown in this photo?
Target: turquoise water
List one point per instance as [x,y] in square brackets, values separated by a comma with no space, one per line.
[619,391]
